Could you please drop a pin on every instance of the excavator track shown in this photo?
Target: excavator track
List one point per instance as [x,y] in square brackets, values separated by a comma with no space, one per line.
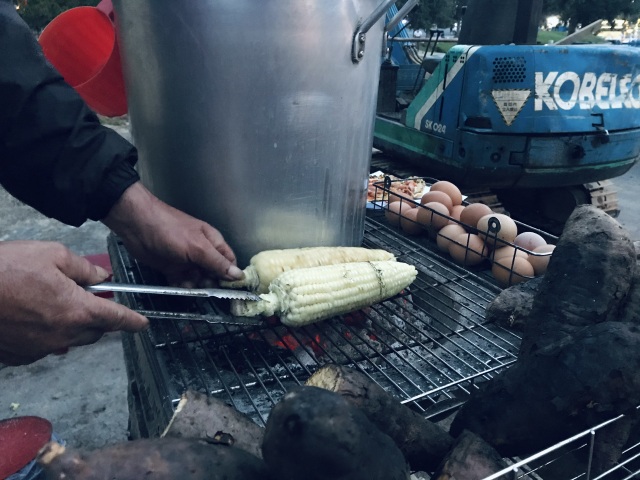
[604,196]
[549,209]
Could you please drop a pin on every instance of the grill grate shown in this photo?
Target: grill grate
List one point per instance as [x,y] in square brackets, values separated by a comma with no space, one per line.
[428,347]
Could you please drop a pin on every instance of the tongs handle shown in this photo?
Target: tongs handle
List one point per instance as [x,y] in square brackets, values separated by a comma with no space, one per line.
[189,292]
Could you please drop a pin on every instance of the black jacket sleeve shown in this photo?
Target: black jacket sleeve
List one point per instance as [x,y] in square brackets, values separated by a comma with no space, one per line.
[54,153]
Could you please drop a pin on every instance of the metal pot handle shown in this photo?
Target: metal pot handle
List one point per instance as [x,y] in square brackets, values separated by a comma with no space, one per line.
[360,35]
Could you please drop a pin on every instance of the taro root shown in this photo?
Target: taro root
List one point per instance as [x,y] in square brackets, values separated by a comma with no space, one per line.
[588,276]
[471,458]
[200,416]
[580,355]
[560,390]
[154,459]
[422,442]
[630,308]
[315,434]
[512,306]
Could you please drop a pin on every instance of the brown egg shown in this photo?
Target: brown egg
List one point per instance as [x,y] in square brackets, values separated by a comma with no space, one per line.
[472,213]
[506,276]
[392,214]
[508,252]
[448,188]
[439,197]
[446,234]
[433,215]
[529,240]
[507,233]
[409,222]
[540,262]
[455,213]
[468,249]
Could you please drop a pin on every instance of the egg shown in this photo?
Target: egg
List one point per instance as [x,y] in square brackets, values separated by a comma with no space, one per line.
[409,222]
[540,262]
[508,230]
[440,197]
[468,249]
[529,240]
[509,271]
[448,188]
[455,214]
[392,214]
[446,234]
[433,215]
[472,213]
[508,252]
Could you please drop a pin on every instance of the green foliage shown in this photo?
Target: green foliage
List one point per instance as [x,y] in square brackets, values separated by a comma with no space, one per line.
[584,12]
[432,12]
[546,36]
[38,13]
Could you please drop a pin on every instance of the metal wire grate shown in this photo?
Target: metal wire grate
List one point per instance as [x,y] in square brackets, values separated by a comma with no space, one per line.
[428,347]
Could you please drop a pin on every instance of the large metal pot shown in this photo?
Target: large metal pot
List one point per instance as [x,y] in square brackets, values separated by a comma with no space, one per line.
[256,115]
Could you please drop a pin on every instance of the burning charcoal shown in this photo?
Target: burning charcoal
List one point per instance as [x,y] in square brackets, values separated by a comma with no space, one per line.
[315,434]
[200,416]
[559,390]
[157,459]
[471,458]
[422,442]
[512,306]
[588,276]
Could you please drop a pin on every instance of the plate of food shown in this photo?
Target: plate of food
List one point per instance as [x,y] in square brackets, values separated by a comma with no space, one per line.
[378,194]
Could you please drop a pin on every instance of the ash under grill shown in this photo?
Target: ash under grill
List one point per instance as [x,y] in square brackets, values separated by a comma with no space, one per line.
[426,346]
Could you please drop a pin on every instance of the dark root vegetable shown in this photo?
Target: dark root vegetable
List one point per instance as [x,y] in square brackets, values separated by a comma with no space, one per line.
[153,459]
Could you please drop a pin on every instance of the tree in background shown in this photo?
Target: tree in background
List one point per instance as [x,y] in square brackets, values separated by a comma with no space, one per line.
[432,12]
[38,13]
[573,12]
[584,12]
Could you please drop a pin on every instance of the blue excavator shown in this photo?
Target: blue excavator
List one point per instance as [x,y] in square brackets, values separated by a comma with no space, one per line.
[541,127]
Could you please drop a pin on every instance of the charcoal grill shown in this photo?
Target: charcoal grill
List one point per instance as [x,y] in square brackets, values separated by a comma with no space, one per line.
[429,347]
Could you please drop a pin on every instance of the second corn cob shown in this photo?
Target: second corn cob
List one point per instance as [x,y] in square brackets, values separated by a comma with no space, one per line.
[308,295]
[265,266]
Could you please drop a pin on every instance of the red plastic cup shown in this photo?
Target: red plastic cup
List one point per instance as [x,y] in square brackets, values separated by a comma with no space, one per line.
[81,44]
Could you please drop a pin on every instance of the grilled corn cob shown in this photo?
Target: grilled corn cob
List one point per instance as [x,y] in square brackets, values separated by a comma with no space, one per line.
[308,295]
[265,266]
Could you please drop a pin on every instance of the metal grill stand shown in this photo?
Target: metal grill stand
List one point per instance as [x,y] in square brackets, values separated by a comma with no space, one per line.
[428,346]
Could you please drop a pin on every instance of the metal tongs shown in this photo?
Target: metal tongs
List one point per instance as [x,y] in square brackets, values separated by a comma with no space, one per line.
[188,292]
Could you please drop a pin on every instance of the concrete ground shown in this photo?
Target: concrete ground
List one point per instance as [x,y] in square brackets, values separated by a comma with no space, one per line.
[83,393]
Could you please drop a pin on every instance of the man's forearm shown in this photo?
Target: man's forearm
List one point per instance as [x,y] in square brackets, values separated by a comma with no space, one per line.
[54,153]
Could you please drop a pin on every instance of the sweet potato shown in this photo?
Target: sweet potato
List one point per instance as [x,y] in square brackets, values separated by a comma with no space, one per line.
[471,458]
[154,459]
[200,416]
[422,442]
[315,434]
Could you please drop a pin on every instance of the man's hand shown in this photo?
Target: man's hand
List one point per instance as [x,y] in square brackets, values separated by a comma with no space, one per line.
[43,306]
[187,251]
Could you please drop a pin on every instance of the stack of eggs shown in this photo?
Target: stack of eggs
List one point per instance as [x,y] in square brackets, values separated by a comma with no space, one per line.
[473,233]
